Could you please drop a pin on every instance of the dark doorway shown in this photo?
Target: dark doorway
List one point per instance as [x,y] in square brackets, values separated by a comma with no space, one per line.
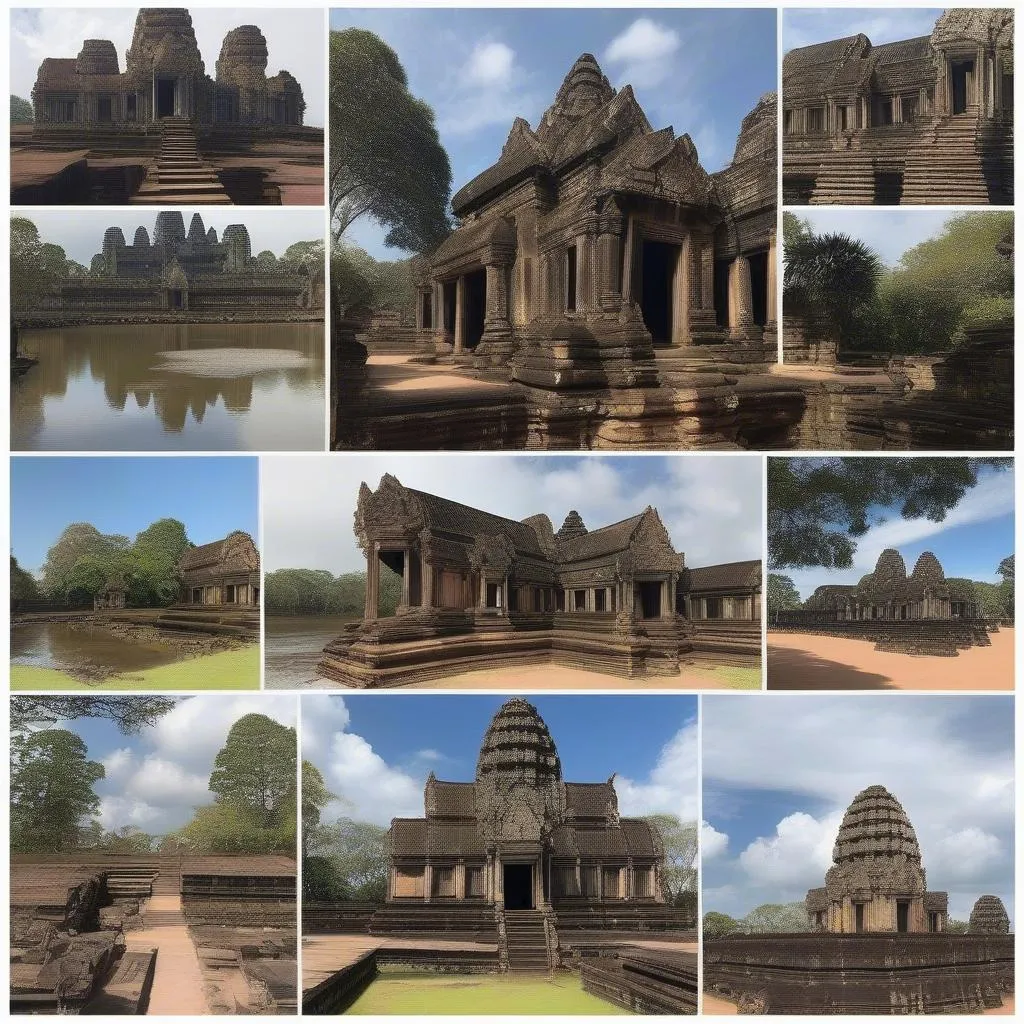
[131,108]
[165,93]
[902,916]
[475,308]
[570,278]
[1007,92]
[712,608]
[197,595]
[428,309]
[759,286]
[961,72]
[720,284]
[888,188]
[518,886]
[103,111]
[659,269]
[448,306]
[229,596]
[858,917]
[177,299]
[649,595]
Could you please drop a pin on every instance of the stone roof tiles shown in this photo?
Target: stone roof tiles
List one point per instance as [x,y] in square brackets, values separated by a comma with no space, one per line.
[589,799]
[605,540]
[726,576]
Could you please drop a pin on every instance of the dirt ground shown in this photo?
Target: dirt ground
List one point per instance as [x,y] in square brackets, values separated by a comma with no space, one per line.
[807,661]
[394,373]
[717,1006]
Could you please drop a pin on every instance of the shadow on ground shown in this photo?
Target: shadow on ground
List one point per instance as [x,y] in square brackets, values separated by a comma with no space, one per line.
[789,669]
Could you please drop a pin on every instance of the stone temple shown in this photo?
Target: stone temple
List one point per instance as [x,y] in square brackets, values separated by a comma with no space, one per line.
[920,613]
[878,942]
[924,120]
[483,591]
[191,128]
[537,873]
[189,276]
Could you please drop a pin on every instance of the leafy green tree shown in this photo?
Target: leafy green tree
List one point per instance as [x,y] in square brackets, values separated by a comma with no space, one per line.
[37,267]
[775,918]
[300,254]
[782,594]
[21,110]
[358,850]
[77,541]
[955,927]
[1006,571]
[266,261]
[794,228]
[716,925]
[817,507]
[256,770]
[128,839]
[315,797]
[386,159]
[23,584]
[679,872]
[317,592]
[52,795]
[153,569]
[230,828]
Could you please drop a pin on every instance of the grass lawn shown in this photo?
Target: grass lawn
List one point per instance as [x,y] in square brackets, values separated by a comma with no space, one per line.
[479,994]
[227,670]
[732,677]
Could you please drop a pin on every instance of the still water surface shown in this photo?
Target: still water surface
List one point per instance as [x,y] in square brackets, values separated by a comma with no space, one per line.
[292,646]
[82,650]
[171,387]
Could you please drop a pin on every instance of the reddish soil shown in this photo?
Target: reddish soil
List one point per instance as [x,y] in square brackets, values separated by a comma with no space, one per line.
[807,661]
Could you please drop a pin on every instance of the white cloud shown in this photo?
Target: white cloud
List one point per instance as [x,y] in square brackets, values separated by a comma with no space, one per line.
[671,786]
[490,64]
[798,853]
[712,842]
[966,855]
[644,51]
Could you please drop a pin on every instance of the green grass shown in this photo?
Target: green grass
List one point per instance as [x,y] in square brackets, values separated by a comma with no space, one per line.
[227,670]
[735,678]
[479,994]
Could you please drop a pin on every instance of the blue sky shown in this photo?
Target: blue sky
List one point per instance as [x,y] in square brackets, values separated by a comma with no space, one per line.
[154,779]
[889,231]
[211,495]
[376,750]
[481,68]
[780,771]
[970,542]
[710,504]
[879,24]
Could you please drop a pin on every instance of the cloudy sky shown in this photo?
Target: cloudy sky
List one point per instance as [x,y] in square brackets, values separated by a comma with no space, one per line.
[710,504]
[375,751]
[295,41]
[880,25]
[211,495]
[480,69]
[780,771]
[887,230]
[970,542]
[81,236]
[155,779]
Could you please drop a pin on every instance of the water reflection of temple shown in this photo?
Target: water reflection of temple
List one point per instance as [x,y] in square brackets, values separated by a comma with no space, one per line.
[129,364]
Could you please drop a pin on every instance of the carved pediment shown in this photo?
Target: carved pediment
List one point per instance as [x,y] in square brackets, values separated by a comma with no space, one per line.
[392,511]
[493,554]
[651,548]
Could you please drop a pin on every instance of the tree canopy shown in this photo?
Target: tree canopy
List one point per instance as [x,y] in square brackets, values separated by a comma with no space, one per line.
[317,592]
[23,584]
[817,507]
[129,714]
[360,281]
[774,918]
[679,874]
[716,925]
[21,110]
[782,594]
[37,267]
[386,159]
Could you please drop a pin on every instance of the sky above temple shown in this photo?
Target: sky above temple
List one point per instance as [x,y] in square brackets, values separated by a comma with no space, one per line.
[211,495]
[295,41]
[890,232]
[779,773]
[156,778]
[976,535]
[710,504]
[880,25]
[81,236]
[700,71]
[375,751]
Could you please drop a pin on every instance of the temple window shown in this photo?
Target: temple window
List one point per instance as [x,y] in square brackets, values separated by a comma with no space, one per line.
[642,882]
[513,599]
[933,922]
[883,110]
[579,600]
[443,881]
[842,118]
[610,883]
[104,109]
[493,598]
[815,119]
[902,915]
[570,278]
[475,882]
[788,121]
[428,309]
[600,600]
[858,917]
[589,881]
[908,102]
[409,883]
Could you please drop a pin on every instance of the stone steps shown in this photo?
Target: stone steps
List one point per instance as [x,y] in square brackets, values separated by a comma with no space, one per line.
[180,175]
[525,942]
[946,166]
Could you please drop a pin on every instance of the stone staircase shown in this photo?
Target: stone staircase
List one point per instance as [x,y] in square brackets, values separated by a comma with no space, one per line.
[168,881]
[945,166]
[526,942]
[847,179]
[180,175]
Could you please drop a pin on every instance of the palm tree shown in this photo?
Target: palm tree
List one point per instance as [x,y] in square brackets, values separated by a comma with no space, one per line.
[829,282]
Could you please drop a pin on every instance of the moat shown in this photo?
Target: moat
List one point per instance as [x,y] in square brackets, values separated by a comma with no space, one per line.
[171,387]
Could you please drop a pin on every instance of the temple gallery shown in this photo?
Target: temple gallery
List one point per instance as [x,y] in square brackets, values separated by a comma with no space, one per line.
[481,591]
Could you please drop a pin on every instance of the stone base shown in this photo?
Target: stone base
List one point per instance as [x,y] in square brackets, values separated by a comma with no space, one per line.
[925,637]
[644,981]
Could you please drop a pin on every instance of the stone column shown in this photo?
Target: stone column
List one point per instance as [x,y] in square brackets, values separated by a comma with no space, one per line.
[460,313]
[707,277]
[741,305]
[426,583]
[406,559]
[372,581]
[609,294]
[666,604]
[773,283]
[460,880]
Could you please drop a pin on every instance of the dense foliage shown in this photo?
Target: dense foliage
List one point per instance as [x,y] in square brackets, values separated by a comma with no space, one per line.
[23,584]
[21,110]
[358,281]
[942,287]
[679,874]
[82,561]
[782,594]
[317,592]
[37,267]
[767,919]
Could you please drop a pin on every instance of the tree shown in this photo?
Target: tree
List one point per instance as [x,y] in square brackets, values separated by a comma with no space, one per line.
[321,876]
[52,794]
[679,872]
[128,839]
[955,927]
[1006,571]
[37,267]
[386,159]
[782,594]
[256,770]
[315,797]
[23,584]
[153,570]
[774,918]
[829,282]
[231,828]
[129,714]
[21,110]
[358,849]
[304,254]
[77,541]
[717,924]
[266,261]
[818,506]
[794,228]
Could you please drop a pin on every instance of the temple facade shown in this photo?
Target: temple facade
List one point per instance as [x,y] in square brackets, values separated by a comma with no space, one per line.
[876,882]
[519,836]
[729,591]
[224,572]
[165,77]
[924,120]
[889,593]
[191,274]
[596,221]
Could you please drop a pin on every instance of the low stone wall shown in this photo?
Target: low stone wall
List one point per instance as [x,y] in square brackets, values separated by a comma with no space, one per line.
[451,922]
[866,973]
[335,918]
[643,981]
[623,918]
[928,637]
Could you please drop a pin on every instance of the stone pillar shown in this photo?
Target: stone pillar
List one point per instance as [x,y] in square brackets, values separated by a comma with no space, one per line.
[460,880]
[628,261]
[707,277]
[372,581]
[741,305]
[496,317]
[609,294]
[460,313]
[426,583]
[406,559]
[428,881]
[773,284]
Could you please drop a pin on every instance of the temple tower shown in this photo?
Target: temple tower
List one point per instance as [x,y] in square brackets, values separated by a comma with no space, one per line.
[989,917]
